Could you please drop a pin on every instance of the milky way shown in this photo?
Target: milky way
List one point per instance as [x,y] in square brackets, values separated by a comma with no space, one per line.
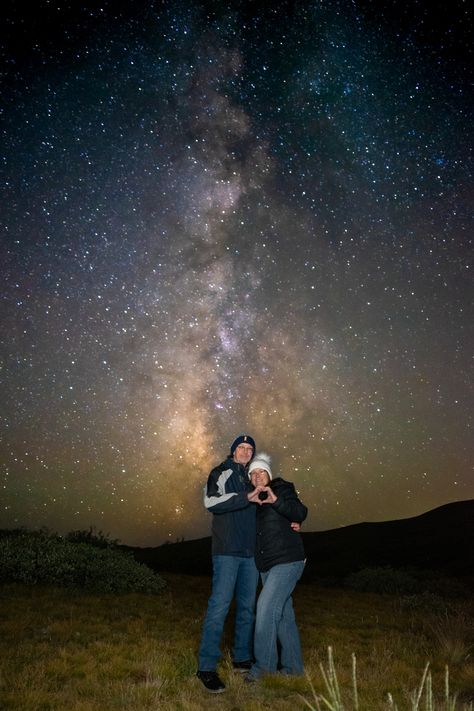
[220,219]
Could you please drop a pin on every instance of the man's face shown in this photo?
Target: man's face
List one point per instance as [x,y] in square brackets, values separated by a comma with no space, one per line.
[243,453]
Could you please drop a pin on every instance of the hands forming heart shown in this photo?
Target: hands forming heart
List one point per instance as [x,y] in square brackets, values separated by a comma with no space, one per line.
[255,498]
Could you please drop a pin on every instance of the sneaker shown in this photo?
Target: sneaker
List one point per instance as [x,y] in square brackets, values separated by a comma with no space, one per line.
[242,667]
[211,681]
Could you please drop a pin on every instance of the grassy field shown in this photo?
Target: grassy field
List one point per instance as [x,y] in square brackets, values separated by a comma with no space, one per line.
[67,651]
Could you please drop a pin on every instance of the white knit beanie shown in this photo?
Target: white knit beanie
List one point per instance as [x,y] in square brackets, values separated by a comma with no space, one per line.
[261,461]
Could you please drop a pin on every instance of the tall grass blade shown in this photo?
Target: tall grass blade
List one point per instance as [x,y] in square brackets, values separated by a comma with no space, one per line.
[417,696]
[354,682]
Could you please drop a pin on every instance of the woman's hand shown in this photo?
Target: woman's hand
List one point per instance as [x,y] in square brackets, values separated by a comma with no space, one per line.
[271,498]
[252,496]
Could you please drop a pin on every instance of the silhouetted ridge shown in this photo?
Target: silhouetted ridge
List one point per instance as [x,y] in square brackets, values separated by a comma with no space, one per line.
[439,540]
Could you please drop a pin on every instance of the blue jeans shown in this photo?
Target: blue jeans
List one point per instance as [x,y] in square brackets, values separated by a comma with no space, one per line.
[231,574]
[276,621]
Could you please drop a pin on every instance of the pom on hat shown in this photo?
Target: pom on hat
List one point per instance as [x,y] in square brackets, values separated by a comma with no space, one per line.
[262,461]
[242,439]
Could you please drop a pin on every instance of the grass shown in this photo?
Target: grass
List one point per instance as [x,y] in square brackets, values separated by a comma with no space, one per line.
[63,651]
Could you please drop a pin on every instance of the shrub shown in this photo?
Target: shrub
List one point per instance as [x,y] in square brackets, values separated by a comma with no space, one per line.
[43,558]
[385,581]
[93,537]
[425,601]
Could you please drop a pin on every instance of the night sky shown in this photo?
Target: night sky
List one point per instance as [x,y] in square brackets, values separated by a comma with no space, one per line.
[218,218]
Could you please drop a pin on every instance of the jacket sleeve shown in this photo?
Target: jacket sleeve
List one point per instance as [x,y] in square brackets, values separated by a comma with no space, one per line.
[216,499]
[289,505]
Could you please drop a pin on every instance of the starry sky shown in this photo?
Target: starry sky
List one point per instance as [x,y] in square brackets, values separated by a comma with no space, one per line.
[222,217]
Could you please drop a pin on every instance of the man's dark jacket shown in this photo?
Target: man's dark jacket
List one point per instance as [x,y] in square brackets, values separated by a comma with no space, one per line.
[233,520]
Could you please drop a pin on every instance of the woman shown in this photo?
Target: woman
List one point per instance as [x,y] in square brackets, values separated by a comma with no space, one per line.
[280,558]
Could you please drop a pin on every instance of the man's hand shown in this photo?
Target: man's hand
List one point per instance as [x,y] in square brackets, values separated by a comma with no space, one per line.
[296,526]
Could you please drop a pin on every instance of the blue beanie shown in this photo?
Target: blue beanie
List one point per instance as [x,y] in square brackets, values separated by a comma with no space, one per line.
[240,440]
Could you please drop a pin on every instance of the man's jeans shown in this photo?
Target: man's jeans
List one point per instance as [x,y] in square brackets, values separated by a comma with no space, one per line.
[276,620]
[231,574]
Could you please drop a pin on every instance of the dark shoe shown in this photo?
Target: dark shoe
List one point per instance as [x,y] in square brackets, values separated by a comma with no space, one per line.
[242,667]
[249,679]
[211,681]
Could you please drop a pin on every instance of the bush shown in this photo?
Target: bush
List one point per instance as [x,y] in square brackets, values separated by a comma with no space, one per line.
[407,582]
[93,537]
[425,601]
[43,558]
[385,581]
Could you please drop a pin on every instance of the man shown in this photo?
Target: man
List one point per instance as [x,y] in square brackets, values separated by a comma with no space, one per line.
[226,496]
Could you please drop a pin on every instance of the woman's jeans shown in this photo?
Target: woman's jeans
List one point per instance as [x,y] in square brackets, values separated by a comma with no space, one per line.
[276,621]
[231,574]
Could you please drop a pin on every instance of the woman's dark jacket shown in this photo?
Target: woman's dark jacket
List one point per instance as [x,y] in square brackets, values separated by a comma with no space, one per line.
[276,541]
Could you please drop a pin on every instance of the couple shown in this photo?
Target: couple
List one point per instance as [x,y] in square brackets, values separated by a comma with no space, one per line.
[255,528]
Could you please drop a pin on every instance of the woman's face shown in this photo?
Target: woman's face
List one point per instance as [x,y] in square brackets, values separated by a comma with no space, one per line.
[259,477]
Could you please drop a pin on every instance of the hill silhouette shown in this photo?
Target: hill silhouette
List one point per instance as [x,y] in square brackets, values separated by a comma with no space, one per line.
[438,540]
